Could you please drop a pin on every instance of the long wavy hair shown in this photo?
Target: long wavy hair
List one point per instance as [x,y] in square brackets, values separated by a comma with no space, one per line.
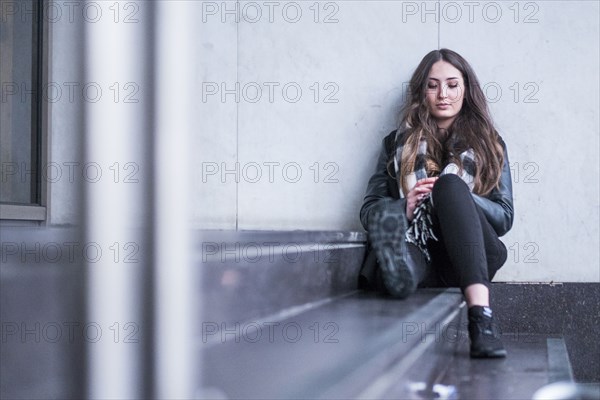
[473,127]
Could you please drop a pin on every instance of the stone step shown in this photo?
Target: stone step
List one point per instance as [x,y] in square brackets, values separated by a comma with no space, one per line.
[252,274]
[357,346]
[43,290]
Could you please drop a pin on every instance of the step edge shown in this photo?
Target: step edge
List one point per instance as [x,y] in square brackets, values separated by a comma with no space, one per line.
[278,316]
[559,364]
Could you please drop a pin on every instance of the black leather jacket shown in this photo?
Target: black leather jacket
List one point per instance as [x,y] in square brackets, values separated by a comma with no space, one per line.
[497,205]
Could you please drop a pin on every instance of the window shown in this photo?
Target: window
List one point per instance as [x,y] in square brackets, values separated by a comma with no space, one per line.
[20,110]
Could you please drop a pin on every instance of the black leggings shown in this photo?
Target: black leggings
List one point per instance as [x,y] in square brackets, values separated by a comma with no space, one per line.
[468,250]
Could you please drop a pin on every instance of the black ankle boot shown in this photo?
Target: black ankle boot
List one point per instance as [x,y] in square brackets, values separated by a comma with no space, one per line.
[484,334]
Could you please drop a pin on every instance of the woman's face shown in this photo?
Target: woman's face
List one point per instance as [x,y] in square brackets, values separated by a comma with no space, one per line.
[445,93]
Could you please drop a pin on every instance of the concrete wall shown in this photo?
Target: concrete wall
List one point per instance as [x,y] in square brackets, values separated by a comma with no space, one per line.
[273,158]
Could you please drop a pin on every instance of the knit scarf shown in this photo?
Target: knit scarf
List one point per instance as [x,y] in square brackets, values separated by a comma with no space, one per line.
[421,227]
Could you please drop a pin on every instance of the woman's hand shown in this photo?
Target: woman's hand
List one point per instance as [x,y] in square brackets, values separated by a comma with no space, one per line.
[416,194]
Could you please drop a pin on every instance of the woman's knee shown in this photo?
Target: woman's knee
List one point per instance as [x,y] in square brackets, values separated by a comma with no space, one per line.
[447,185]
[496,258]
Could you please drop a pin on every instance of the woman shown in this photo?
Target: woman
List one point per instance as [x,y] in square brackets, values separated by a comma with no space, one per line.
[442,195]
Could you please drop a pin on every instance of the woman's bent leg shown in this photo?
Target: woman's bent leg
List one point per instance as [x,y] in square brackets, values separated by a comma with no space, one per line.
[474,254]
[470,250]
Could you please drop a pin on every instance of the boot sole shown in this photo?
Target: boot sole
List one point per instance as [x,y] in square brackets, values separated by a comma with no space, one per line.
[386,231]
[489,354]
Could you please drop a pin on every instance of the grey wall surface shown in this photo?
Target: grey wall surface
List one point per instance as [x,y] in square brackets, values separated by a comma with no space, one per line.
[320,84]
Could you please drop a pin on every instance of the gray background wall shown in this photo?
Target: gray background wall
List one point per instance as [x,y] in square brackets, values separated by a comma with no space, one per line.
[538,63]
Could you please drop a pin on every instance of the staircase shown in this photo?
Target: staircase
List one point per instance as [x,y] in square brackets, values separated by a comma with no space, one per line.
[282,319]
[294,336]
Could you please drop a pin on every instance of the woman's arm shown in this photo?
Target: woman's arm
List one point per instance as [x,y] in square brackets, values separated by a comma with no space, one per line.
[498,204]
[378,188]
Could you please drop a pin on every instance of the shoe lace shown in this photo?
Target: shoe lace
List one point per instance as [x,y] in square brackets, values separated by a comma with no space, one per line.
[488,327]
